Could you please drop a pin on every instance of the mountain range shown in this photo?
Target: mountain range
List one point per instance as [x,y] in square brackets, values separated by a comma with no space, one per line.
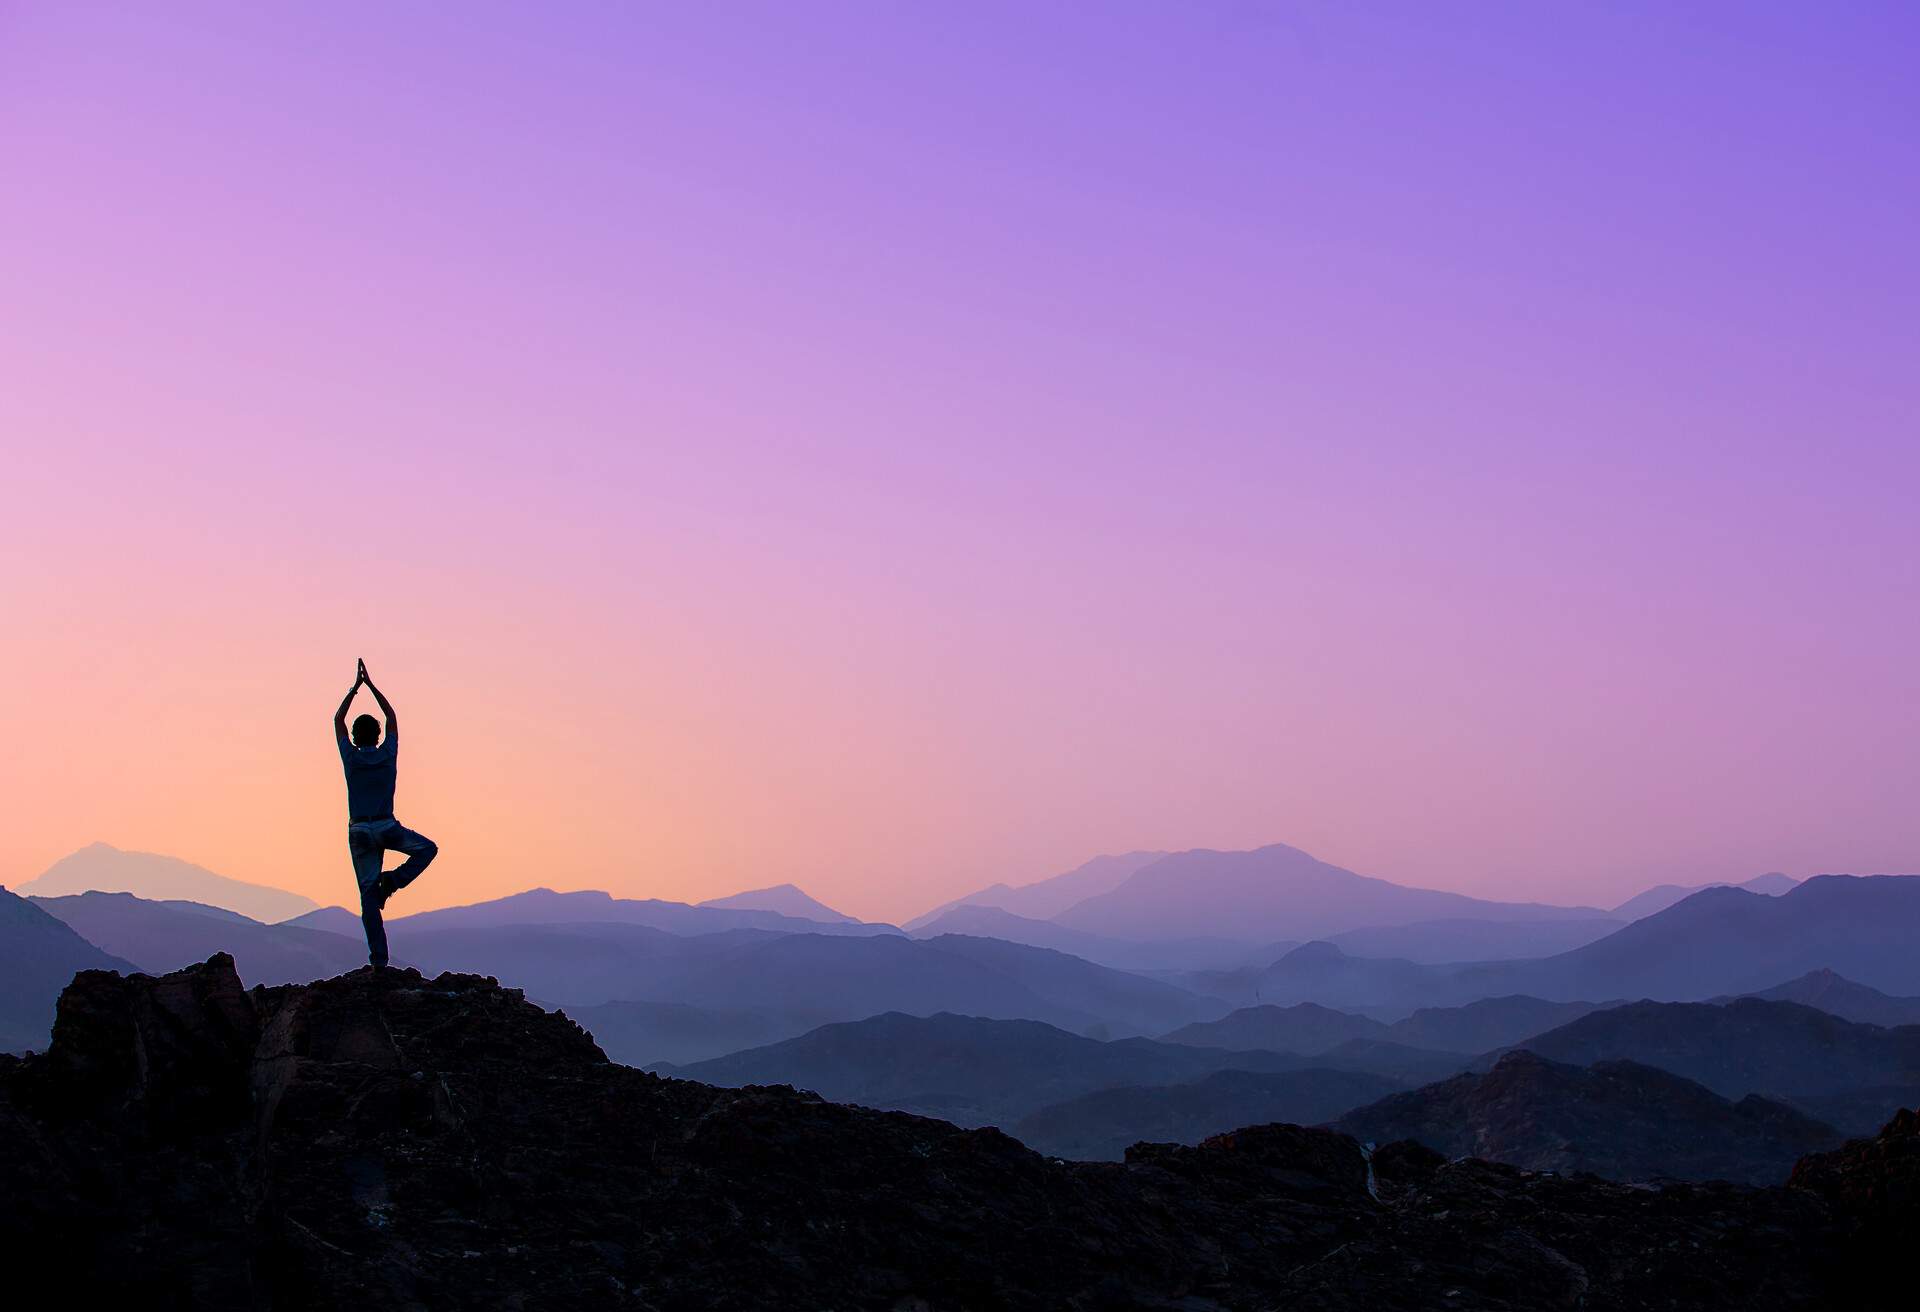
[1307,1027]
[1850,1074]
[782,899]
[101,868]
[970,1070]
[407,1142]
[1280,892]
[161,936]
[1046,898]
[1839,996]
[543,906]
[1662,896]
[39,954]
[1618,1119]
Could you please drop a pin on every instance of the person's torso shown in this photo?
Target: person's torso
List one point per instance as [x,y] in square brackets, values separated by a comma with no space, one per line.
[371,773]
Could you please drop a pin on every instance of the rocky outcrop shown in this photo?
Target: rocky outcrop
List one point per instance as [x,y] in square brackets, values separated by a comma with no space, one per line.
[388,1141]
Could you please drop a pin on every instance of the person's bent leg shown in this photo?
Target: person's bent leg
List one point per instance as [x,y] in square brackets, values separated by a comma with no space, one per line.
[419,850]
[367,856]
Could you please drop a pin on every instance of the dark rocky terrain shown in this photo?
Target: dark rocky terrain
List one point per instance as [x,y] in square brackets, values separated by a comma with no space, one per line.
[387,1142]
[1616,1118]
[1102,1125]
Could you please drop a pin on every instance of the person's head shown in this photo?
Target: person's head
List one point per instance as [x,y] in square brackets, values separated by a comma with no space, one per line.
[366,731]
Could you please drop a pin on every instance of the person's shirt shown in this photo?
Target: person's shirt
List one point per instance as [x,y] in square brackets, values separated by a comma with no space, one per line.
[371,773]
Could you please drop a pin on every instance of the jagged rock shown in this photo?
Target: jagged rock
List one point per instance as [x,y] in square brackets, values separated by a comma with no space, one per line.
[385,1141]
[1874,1187]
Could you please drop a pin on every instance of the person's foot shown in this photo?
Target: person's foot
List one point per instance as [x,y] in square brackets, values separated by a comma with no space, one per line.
[382,890]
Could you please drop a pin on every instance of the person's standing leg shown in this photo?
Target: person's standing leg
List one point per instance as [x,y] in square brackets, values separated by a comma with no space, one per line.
[420,852]
[368,853]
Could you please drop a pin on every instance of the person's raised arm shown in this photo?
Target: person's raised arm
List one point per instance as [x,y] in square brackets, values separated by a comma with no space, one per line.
[386,707]
[340,716]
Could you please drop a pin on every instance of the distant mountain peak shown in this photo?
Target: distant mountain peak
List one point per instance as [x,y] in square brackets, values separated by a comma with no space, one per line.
[1274,892]
[786,899]
[102,867]
[1046,898]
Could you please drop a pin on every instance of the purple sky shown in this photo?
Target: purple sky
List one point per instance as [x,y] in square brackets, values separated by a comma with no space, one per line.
[898,447]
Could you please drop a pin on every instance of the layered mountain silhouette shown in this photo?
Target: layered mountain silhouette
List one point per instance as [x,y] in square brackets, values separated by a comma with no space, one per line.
[1046,898]
[1732,941]
[674,1033]
[1304,1027]
[782,899]
[967,1069]
[979,1071]
[1722,941]
[161,936]
[101,868]
[335,920]
[1619,1119]
[1850,1074]
[38,956]
[1439,941]
[1157,955]
[1320,972]
[1102,1125]
[1275,892]
[1662,896]
[1486,1024]
[543,906]
[392,1141]
[1309,1028]
[1839,996]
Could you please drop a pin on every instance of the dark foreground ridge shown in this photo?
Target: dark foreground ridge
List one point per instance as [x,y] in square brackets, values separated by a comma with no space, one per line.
[397,1142]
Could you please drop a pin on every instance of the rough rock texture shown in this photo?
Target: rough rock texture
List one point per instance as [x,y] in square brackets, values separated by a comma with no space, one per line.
[389,1142]
[1873,1187]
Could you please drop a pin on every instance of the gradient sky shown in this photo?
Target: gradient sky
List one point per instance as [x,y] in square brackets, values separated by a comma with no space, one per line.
[898,447]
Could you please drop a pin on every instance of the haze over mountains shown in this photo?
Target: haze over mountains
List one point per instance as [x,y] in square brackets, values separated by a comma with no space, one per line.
[38,957]
[1662,896]
[784,899]
[1283,891]
[1619,1119]
[99,867]
[1082,1041]
[1046,898]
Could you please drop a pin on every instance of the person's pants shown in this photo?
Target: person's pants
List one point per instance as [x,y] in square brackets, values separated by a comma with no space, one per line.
[370,841]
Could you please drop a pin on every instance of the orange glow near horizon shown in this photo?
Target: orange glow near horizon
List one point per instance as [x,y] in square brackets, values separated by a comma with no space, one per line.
[904,449]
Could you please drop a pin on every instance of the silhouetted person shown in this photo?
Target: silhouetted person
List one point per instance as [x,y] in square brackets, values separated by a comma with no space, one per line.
[372,831]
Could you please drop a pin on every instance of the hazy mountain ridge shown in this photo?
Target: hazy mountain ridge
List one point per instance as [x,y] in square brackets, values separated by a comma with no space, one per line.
[158,937]
[1280,892]
[1839,996]
[1780,1050]
[1045,898]
[1662,896]
[1309,1028]
[1618,1119]
[39,954]
[100,867]
[544,906]
[971,1070]
[782,899]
